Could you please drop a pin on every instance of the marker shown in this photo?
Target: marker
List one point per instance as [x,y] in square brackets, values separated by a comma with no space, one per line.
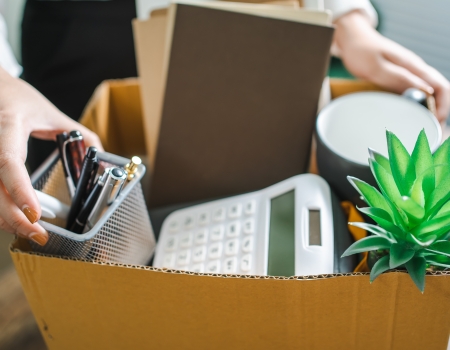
[51,208]
[80,221]
[88,172]
[111,190]
[61,140]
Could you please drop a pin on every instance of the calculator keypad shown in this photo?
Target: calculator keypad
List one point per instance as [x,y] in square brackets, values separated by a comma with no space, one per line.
[217,240]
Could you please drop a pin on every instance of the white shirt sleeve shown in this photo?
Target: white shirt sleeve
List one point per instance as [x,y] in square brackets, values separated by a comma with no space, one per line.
[7,58]
[342,7]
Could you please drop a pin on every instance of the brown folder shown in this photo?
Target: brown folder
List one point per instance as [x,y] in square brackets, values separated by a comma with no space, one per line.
[240,102]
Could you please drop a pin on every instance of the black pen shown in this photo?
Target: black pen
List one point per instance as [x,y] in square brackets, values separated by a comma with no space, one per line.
[88,172]
[61,140]
[80,221]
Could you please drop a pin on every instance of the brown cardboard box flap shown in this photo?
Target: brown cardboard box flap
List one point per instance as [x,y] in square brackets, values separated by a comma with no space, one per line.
[81,305]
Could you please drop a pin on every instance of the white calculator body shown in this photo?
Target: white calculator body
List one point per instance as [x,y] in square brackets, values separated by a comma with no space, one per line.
[283,230]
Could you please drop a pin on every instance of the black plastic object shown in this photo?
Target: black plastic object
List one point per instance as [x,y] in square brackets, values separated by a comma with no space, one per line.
[342,239]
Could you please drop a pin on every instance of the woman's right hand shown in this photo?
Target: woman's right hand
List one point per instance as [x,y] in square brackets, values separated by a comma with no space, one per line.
[24,112]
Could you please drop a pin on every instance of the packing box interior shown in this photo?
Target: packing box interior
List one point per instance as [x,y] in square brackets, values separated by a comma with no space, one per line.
[90,305]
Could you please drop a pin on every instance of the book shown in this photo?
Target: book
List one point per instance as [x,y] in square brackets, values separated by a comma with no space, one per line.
[238,101]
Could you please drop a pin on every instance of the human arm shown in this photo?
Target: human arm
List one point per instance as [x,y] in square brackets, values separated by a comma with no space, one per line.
[24,112]
[369,55]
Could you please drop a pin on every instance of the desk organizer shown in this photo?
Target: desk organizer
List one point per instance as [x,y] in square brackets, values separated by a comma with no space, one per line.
[122,235]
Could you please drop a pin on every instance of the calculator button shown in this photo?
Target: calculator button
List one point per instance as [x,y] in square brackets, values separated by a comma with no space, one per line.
[235,211]
[169,260]
[171,244]
[233,229]
[219,214]
[232,247]
[188,222]
[215,250]
[203,218]
[201,237]
[247,244]
[199,254]
[217,233]
[250,208]
[174,226]
[184,257]
[246,263]
[230,265]
[249,226]
[198,268]
[213,266]
[186,240]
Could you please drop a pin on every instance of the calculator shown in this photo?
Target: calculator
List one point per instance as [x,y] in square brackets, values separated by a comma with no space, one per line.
[287,229]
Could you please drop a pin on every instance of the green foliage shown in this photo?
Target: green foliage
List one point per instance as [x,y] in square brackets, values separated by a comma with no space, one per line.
[412,211]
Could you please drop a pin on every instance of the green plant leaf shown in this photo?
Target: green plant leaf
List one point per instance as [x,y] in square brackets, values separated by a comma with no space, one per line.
[441,247]
[431,225]
[382,218]
[421,157]
[437,199]
[376,230]
[382,265]
[442,156]
[438,260]
[380,159]
[400,255]
[425,241]
[399,159]
[416,268]
[444,211]
[411,208]
[371,195]
[367,244]
[423,186]
[385,181]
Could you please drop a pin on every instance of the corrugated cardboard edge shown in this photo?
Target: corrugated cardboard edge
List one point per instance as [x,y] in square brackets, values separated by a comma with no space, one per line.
[14,248]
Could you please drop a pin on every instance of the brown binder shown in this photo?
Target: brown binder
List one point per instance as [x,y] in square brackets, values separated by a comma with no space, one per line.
[240,101]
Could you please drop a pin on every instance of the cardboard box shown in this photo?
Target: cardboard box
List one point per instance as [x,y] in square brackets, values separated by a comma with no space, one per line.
[88,305]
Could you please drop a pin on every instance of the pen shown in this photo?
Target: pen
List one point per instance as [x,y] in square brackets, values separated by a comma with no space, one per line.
[61,140]
[77,151]
[132,167]
[88,172]
[51,207]
[80,221]
[111,190]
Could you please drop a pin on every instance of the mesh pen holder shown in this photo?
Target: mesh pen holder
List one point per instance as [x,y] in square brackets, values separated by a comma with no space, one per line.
[122,235]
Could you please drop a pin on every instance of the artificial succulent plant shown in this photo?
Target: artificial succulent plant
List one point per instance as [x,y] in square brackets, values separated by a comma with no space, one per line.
[412,211]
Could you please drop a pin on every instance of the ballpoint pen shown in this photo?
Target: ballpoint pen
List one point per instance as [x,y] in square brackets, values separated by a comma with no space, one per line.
[113,184]
[61,140]
[88,172]
[77,151]
[132,167]
[80,222]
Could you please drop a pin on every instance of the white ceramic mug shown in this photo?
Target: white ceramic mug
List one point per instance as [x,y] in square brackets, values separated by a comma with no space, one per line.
[349,125]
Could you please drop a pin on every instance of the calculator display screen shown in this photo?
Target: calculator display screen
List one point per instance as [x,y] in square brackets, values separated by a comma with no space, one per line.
[281,257]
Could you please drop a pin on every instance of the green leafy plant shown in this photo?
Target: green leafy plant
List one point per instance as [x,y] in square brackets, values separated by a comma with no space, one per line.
[412,211]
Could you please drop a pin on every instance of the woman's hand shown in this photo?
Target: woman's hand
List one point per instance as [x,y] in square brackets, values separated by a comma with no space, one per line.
[370,56]
[24,111]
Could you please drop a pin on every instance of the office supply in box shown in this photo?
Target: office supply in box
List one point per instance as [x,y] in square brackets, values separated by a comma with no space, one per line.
[123,234]
[89,305]
[240,87]
[293,228]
